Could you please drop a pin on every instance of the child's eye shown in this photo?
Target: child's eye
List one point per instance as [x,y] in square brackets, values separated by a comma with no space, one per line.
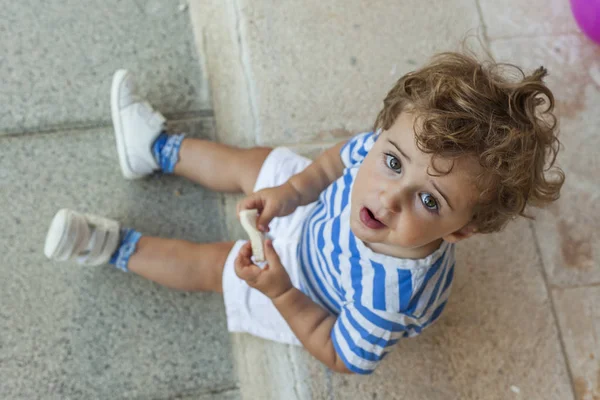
[393,163]
[429,202]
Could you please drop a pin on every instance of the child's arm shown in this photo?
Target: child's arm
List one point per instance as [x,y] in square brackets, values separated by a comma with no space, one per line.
[301,189]
[309,321]
[312,325]
[317,176]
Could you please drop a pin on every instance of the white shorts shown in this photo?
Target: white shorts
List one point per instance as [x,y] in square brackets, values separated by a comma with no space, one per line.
[248,310]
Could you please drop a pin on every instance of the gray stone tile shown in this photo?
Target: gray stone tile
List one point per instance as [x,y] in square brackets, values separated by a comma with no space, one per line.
[567,230]
[72,332]
[579,317]
[233,394]
[568,236]
[573,64]
[513,18]
[269,370]
[316,71]
[58,57]
[497,335]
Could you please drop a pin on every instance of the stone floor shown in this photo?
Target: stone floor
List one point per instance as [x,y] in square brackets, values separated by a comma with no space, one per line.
[523,321]
[97,333]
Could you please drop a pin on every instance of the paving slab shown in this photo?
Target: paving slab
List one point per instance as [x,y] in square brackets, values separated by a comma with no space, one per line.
[567,231]
[579,317]
[58,57]
[217,395]
[516,18]
[72,332]
[315,71]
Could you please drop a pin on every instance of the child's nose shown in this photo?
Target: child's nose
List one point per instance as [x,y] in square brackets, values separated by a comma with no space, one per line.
[391,199]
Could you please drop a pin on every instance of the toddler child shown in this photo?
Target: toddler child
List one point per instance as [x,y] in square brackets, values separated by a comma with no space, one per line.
[362,249]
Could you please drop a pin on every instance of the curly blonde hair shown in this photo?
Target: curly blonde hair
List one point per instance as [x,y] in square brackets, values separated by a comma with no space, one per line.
[465,107]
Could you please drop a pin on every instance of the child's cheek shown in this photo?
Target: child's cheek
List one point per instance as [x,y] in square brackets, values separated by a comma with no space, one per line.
[412,230]
[380,174]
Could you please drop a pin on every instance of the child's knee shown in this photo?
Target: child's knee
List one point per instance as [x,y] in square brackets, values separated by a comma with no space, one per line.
[252,162]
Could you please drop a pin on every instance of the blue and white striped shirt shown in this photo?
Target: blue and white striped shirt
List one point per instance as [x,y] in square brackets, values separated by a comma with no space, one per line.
[378,298]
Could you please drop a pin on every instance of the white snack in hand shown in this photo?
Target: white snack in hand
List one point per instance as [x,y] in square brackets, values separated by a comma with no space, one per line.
[248,220]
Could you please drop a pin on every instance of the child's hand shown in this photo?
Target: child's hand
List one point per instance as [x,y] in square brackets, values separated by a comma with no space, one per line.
[273,202]
[273,280]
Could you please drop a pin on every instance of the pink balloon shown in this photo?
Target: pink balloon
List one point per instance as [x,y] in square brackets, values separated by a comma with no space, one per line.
[587,15]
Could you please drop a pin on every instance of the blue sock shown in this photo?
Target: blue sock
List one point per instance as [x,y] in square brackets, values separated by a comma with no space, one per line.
[129,239]
[166,151]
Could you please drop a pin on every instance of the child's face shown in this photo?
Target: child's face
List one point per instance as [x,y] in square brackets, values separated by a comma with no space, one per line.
[398,208]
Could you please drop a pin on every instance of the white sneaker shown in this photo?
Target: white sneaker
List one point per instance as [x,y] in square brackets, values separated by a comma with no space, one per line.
[84,238]
[136,126]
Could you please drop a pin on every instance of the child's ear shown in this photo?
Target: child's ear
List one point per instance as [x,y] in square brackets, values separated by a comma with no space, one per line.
[465,232]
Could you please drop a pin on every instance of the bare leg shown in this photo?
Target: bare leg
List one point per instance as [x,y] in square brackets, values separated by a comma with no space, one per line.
[189,266]
[220,167]
[180,264]
[185,265]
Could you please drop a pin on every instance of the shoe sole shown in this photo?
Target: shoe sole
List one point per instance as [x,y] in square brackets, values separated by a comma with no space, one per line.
[69,232]
[118,78]
[62,236]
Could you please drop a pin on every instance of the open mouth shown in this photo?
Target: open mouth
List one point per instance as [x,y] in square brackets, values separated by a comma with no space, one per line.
[369,220]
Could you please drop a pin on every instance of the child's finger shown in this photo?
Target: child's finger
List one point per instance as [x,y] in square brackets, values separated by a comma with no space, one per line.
[246,249]
[244,254]
[249,203]
[265,217]
[271,254]
[248,272]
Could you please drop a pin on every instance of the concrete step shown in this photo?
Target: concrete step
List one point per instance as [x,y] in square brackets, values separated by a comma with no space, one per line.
[58,57]
[99,333]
